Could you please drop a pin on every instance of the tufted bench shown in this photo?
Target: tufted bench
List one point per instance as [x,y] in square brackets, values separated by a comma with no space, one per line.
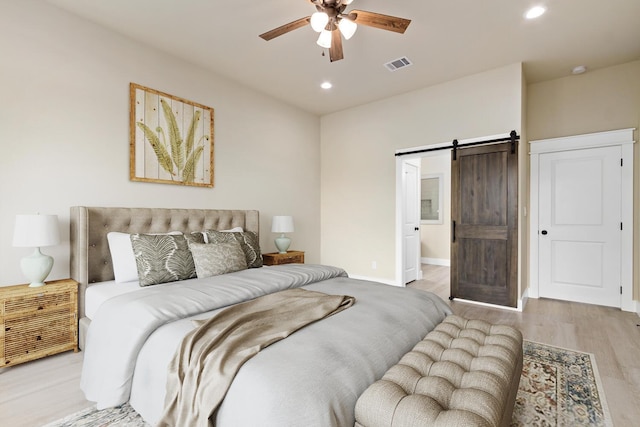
[463,373]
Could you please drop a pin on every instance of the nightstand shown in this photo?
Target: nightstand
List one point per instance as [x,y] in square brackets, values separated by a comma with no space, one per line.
[291,257]
[38,322]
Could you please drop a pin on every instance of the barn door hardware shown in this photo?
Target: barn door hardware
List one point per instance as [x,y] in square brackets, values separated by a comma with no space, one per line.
[513,137]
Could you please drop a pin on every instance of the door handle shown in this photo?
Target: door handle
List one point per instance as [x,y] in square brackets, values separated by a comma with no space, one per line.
[453,231]
[417,229]
[544,232]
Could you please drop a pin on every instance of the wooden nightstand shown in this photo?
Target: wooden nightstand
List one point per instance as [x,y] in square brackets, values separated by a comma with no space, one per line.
[291,257]
[38,322]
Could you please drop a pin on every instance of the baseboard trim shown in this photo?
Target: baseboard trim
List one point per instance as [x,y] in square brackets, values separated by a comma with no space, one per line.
[484,304]
[436,261]
[522,302]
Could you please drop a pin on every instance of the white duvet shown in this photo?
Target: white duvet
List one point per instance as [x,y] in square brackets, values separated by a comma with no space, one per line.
[312,378]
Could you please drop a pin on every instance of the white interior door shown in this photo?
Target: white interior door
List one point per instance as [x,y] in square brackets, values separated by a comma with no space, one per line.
[411,221]
[579,225]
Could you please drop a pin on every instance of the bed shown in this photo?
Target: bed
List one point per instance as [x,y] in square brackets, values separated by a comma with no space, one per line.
[311,378]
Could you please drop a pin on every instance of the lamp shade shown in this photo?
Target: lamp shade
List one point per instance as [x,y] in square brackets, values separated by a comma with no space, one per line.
[282,224]
[36,231]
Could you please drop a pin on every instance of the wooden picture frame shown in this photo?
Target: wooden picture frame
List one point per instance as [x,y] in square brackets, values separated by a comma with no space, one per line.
[171,139]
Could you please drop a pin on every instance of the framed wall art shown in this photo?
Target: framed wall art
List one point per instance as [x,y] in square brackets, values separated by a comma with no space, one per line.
[171,139]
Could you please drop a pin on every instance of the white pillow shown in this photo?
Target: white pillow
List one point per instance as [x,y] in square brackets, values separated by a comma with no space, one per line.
[122,257]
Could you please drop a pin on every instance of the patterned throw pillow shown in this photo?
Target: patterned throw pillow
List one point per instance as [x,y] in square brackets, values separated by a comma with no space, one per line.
[195,237]
[221,258]
[162,258]
[248,242]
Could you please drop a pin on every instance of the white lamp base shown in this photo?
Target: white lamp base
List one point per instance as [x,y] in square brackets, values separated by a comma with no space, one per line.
[36,267]
[282,243]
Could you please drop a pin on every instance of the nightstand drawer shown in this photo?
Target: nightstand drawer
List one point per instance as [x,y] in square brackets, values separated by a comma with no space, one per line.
[38,322]
[36,334]
[291,257]
[33,303]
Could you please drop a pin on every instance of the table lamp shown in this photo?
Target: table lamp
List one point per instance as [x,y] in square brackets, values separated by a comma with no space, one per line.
[282,224]
[36,231]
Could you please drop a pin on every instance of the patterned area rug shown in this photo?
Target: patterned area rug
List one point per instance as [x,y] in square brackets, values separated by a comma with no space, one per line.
[558,387]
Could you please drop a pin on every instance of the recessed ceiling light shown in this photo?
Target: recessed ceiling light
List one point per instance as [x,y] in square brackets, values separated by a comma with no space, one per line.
[579,69]
[326,85]
[535,12]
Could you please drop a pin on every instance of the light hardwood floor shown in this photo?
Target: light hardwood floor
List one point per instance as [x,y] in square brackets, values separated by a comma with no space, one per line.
[613,336]
[35,393]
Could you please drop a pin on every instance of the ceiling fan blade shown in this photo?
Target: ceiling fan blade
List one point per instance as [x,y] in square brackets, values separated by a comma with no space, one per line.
[378,20]
[335,51]
[285,28]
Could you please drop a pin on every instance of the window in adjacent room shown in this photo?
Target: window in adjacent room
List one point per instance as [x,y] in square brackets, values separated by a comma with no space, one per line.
[431,199]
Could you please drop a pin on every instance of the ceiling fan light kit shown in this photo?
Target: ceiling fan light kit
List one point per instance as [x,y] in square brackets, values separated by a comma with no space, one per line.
[324,40]
[347,28]
[319,20]
[332,23]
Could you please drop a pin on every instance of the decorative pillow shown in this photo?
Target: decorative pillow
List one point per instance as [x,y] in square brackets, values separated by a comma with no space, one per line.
[122,257]
[233,230]
[248,242]
[162,258]
[195,237]
[221,258]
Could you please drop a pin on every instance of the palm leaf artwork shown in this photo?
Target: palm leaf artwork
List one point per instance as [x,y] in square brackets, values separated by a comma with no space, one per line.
[179,157]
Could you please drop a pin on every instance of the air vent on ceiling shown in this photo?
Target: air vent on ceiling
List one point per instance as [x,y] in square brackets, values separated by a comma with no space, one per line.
[396,64]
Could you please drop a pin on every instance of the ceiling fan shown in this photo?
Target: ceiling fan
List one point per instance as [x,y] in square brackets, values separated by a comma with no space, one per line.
[331,21]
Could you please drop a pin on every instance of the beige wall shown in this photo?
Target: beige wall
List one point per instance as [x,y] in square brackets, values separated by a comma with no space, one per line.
[64,134]
[358,174]
[598,100]
[523,195]
[435,239]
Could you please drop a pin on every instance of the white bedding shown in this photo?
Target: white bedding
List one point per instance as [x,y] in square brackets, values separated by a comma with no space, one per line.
[311,378]
[98,293]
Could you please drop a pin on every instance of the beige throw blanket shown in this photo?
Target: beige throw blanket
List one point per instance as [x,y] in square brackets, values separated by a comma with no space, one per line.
[210,356]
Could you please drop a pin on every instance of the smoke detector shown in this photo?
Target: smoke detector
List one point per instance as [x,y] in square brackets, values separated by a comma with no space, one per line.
[579,69]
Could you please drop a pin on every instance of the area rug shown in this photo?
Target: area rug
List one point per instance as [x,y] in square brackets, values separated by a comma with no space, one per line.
[558,387]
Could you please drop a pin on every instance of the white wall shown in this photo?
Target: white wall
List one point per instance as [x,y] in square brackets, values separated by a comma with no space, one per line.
[358,164]
[64,134]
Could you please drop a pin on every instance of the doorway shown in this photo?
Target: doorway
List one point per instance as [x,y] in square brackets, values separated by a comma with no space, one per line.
[411,221]
[581,218]
[430,152]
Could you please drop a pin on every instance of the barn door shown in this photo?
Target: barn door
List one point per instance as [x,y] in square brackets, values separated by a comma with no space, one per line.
[484,214]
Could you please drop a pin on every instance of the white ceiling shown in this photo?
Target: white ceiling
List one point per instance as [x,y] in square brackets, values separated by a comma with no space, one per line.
[447,39]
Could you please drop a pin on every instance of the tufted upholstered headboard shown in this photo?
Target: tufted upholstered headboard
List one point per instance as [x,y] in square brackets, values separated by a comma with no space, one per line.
[90,256]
